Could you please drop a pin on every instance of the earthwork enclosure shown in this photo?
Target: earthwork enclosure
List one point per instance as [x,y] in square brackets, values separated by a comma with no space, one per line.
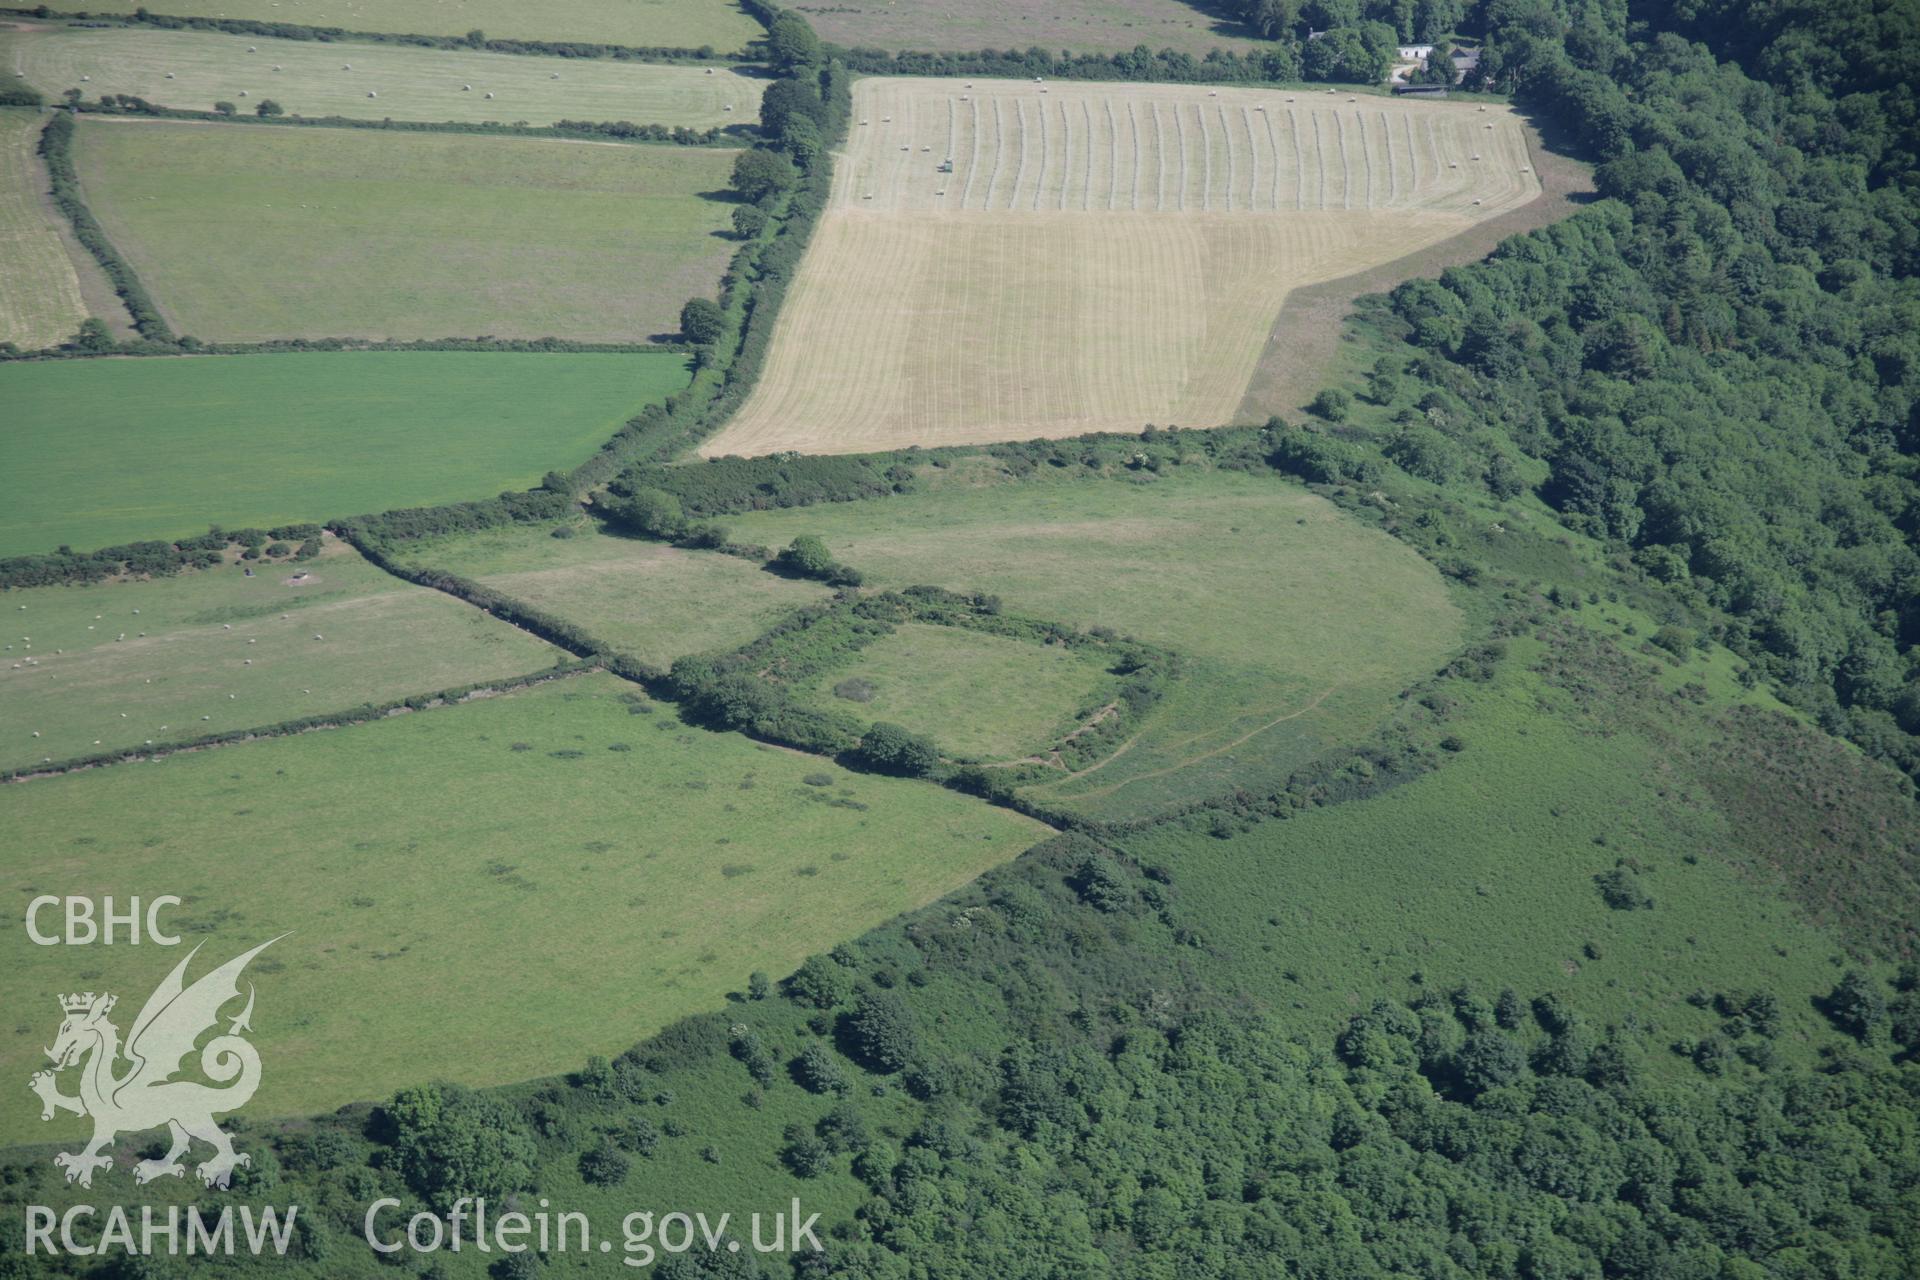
[1006,260]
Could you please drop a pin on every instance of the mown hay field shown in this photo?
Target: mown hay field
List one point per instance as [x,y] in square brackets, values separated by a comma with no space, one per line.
[40,303]
[1298,624]
[1100,257]
[349,233]
[101,452]
[671,24]
[121,664]
[194,70]
[1081,26]
[483,893]
[642,599]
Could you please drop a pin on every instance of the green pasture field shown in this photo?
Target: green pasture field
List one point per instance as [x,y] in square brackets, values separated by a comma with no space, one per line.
[40,303]
[1482,872]
[213,643]
[352,233]
[101,452]
[659,24]
[485,893]
[979,696]
[642,599]
[1299,625]
[195,69]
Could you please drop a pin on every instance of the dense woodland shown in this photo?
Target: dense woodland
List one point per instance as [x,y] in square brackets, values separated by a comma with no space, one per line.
[1715,369]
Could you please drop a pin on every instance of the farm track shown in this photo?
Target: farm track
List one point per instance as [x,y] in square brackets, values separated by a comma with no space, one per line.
[1116,254]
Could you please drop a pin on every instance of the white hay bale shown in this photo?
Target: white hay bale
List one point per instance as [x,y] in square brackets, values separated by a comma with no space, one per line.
[372,94]
[489,97]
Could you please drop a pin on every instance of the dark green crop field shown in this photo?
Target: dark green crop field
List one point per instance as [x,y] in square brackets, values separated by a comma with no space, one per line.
[105,452]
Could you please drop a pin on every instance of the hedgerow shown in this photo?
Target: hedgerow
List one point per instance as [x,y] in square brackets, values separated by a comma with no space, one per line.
[56,147]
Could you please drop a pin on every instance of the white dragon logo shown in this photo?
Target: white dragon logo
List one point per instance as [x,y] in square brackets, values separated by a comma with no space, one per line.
[146,1096]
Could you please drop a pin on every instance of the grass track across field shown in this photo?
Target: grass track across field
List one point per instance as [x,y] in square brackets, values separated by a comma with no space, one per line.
[642,599]
[350,233]
[40,301]
[1483,872]
[464,909]
[213,643]
[658,24]
[1299,625]
[101,452]
[192,70]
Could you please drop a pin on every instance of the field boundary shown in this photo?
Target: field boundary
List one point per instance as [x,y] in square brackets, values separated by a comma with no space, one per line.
[56,148]
[614,131]
[305,724]
[300,346]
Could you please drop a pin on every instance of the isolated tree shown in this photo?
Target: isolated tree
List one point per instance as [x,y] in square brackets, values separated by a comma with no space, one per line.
[759,173]
[1101,884]
[882,1031]
[758,985]
[890,748]
[819,1071]
[654,512]
[792,41]
[749,221]
[821,983]
[1858,1006]
[268,107]
[786,99]
[1383,383]
[225,108]
[604,1165]
[701,320]
[93,335]
[453,1142]
[808,556]
[1332,404]
[1488,1060]
[802,140]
